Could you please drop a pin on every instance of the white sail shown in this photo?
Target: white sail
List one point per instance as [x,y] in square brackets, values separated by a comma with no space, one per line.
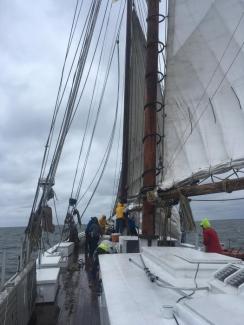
[204,92]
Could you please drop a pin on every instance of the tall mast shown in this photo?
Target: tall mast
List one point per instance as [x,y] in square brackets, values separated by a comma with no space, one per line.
[125,153]
[149,174]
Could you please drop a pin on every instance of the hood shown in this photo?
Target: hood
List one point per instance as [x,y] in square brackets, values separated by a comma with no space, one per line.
[205,223]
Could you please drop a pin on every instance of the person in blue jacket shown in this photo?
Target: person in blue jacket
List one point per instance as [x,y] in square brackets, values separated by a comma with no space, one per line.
[87,233]
[132,228]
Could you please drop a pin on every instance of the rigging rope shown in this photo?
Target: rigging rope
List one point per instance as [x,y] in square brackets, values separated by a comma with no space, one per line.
[187,220]
[142,17]
[113,129]
[90,106]
[50,135]
[56,215]
[95,124]
[116,173]
[73,61]
[95,176]
[74,90]
[217,200]
[117,31]
[56,109]
[100,177]
[89,30]
[57,104]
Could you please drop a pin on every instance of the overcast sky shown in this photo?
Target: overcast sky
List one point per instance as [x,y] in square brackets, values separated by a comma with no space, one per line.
[33,38]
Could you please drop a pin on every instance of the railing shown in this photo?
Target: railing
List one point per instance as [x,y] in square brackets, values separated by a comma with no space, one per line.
[3,273]
[17,296]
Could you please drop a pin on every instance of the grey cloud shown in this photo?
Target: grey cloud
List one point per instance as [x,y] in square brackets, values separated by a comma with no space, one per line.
[34,36]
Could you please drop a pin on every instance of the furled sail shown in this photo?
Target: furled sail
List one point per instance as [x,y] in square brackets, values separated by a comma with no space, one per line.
[204,91]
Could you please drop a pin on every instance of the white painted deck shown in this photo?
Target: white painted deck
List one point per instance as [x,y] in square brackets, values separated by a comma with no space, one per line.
[131,298]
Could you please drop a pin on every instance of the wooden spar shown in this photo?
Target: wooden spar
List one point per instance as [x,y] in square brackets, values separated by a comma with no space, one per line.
[125,150]
[149,175]
[228,186]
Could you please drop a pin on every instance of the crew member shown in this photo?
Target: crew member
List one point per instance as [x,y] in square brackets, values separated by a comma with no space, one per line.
[94,236]
[120,209]
[105,247]
[210,237]
[88,239]
[132,228]
[102,223]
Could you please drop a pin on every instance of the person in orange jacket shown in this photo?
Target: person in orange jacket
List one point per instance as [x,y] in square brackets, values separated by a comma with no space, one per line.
[102,223]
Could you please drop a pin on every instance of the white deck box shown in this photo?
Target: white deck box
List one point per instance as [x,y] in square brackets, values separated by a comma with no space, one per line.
[50,253]
[48,261]
[47,284]
[128,244]
[65,248]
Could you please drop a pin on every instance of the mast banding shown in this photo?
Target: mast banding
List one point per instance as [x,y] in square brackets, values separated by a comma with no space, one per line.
[149,174]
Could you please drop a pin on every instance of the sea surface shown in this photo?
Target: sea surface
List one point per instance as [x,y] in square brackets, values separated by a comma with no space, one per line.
[11,240]
[231,234]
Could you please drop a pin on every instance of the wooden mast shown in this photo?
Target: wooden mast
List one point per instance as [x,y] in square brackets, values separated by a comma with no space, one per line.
[149,174]
[125,153]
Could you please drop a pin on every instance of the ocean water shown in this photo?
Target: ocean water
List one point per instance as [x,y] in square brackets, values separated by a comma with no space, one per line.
[231,233]
[11,240]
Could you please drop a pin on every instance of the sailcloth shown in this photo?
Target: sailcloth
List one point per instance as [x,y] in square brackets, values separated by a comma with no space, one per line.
[136,109]
[204,92]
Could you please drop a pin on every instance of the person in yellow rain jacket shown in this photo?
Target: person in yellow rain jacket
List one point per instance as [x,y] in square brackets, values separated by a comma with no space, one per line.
[120,219]
[102,223]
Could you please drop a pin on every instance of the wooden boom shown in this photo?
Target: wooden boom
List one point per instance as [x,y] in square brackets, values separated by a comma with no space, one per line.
[228,186]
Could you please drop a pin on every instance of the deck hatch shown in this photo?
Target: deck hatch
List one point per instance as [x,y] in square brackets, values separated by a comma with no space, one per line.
[226,272]
[237,279]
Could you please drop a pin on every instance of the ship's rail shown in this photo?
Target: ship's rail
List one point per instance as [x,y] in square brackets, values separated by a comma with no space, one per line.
[17,298]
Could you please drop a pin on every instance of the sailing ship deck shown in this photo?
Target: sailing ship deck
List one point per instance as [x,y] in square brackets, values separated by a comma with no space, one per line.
[76,302]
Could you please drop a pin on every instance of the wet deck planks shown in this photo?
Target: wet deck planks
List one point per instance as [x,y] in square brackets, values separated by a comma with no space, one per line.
[77,303]
[88,309]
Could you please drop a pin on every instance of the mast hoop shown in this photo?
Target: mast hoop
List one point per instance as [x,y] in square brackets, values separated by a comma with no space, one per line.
[163,17]
[161,74]
[157,171]
[152,135]
[146,189]
[155,104]
[159,43]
